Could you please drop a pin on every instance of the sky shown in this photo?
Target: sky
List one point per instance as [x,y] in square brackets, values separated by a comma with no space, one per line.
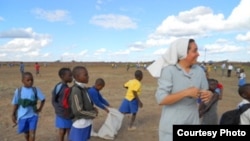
[122,30]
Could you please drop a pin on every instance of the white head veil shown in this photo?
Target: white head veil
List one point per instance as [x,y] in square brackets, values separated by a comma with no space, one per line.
[176,51]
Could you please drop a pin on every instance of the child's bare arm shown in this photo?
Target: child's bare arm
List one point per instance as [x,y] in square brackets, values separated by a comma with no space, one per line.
[14,114]
[41,106]
[137,97]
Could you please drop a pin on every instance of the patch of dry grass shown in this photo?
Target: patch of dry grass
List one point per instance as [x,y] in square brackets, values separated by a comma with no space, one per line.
[147,119]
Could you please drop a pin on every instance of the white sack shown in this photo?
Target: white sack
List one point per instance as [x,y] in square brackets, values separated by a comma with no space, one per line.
[111,125]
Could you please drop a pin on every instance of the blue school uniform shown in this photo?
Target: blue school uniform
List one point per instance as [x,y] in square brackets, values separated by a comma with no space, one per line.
[26,116]
[61,120]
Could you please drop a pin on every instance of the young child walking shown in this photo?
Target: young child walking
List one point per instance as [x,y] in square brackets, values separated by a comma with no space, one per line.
[81,105]
[132,102]
[208,112]
[242,78]
[25,113]
[97,98]
[62,119]
[37,68]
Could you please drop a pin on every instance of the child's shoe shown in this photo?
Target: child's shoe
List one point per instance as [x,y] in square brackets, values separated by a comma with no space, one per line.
[131,128]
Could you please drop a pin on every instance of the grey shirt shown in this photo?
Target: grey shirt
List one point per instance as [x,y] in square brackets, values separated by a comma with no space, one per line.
[174,79]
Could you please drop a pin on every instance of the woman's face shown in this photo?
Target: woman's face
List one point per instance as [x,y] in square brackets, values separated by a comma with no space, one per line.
[193,53]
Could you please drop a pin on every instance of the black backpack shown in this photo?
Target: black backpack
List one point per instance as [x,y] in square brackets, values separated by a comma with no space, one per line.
[232,117]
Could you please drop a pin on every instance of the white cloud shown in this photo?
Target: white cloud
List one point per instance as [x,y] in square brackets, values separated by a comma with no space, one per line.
[100,51]
[242,37]
[160,51]
[26,43]
[69,56]
[18,33]
[197,21]
[221,48]
[239,18]
[3,54]
[84,52]
[53,15]
[46,55]
[202,22]
[137,46]
[121,52]
[113,21]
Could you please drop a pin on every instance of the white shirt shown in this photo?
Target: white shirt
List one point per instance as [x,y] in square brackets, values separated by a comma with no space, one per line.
[230,67]
[245,117]
[242,75]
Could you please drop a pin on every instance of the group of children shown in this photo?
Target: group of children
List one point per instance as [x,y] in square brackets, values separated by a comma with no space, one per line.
[77,125]
[83,99]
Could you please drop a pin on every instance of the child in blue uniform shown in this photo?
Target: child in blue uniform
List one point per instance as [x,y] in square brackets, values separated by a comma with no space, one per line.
[62,121]
[25,113]
[82,106]
[96,97]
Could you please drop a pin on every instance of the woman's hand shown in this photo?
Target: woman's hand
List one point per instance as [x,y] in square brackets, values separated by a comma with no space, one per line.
[205,95]
[193,92]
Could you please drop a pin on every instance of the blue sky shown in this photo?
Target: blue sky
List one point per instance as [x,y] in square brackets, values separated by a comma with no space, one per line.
[121,31]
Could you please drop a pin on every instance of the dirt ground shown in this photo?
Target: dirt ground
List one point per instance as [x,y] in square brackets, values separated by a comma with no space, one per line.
[148,116]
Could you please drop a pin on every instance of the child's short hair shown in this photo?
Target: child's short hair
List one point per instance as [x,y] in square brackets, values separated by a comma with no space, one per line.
[26,74]
[138,74]
[62,71]
[244,89]
[100,81]
[76,71]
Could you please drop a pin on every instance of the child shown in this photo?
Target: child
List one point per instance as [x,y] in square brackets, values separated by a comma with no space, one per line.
[62,120]
[37,68]
[96,97]
[244,92]
[208,111]
[242,78]
[219,89]
[21,67]
[81,106]
[25,113]
[131,102]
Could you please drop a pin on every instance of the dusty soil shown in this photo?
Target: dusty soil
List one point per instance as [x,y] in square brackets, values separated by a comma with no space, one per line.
[147,119]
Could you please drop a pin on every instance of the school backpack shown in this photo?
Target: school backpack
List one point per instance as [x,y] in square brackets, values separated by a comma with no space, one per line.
[27,102]
[64,102]
[232,117]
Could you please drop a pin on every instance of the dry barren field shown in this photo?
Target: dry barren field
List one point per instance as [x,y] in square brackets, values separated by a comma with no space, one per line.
[147,119]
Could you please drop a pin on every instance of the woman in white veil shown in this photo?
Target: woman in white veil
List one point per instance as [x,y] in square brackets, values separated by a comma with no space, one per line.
[181,82]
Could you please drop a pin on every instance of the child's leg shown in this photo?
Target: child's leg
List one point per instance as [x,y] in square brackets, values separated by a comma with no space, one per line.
[32,127]
[26,136]
[132,120]
[32,135]
[133,109]
[62,132]
[67,133]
